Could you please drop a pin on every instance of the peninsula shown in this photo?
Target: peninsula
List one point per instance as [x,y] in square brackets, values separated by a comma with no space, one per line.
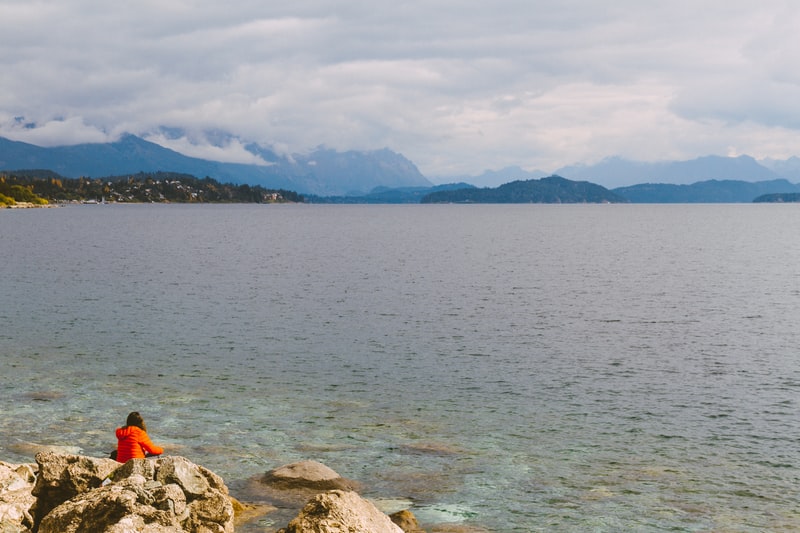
[33,188]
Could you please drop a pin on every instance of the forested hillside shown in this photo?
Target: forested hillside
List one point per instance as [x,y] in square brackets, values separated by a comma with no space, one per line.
[552,190]
[42,186]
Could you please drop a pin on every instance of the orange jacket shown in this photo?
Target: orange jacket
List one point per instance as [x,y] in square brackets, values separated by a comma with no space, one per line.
[133,442]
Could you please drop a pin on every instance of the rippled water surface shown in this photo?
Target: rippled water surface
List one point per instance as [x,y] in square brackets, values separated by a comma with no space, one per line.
[515,368]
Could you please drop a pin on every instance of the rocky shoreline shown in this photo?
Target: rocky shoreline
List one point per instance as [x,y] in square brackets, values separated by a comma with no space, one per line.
[28,205]
[65,493]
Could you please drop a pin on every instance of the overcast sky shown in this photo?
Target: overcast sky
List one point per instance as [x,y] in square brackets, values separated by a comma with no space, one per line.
[457,86]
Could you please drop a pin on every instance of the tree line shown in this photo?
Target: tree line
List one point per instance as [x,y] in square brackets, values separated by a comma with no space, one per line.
[45,186]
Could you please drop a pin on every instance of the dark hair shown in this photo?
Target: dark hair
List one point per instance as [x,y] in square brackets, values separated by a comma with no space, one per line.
[135,419]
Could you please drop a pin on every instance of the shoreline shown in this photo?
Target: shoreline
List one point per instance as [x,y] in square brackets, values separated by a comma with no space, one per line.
[283,494]
[29,205]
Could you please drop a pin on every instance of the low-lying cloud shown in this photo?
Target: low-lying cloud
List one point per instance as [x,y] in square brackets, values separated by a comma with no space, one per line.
[458,87]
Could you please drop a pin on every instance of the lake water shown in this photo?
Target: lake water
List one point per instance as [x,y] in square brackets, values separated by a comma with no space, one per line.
[515,368]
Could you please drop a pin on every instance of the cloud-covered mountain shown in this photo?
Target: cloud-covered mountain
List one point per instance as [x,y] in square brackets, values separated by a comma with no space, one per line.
[322,172]
[615,172]
[328,173]
[618,172]
[786,168]
[495,178]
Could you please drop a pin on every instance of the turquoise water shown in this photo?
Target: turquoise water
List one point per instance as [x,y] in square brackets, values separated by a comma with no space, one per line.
[516,368]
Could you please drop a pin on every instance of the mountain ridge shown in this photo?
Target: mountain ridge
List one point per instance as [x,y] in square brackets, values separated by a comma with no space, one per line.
[348,176]
[614,172]
[709,191]
[322,172]
[549,190]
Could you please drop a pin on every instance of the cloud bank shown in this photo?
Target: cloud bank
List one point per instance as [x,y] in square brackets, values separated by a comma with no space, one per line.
[456,86]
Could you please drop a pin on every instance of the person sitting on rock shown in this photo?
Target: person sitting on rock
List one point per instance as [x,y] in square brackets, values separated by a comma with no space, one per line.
[133,441]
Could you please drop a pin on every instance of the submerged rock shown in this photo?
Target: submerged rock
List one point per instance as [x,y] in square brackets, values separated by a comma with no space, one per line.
[246,512]
[30,449]
[458,528]
[339,511]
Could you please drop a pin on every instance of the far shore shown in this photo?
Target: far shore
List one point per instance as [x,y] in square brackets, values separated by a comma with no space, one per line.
[28,205]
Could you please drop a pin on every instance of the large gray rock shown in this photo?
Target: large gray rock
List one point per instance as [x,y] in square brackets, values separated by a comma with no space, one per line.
[339,511]
[16,483]
[164,495]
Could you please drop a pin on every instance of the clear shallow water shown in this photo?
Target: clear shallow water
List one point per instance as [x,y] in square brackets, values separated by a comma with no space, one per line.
[518,368]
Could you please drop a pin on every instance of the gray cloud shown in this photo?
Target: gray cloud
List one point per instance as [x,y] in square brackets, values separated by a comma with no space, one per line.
[456,86]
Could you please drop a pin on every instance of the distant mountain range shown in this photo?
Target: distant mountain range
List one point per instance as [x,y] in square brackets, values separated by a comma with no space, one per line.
[384,176]
[494,178]
[615,172]
[385,195]
[322,172]
[555,189]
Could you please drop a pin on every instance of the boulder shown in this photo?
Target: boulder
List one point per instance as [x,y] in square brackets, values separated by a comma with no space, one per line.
[306,474]
[293,484]
[128,505]
[164,495]
[193,479]
[340,511]
[62,477]
[16,483]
